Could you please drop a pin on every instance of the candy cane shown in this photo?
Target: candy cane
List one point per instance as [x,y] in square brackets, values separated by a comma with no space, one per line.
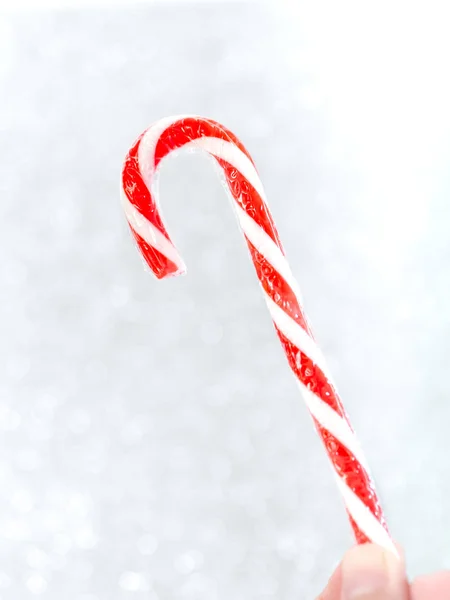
[140,202]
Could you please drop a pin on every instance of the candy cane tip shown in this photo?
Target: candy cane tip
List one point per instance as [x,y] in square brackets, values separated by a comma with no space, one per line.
[164,269]
[179,272]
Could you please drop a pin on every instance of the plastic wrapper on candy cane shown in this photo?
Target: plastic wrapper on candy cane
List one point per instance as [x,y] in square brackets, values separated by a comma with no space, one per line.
[280,290]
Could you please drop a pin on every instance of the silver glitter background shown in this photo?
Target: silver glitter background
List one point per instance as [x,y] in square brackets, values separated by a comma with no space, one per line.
[153,442]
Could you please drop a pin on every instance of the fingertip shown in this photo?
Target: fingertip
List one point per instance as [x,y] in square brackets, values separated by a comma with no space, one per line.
[372,571]
[334,585]
[369,571]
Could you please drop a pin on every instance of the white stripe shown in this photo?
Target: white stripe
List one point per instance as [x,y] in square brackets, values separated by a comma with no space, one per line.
[332,422]
[229,152]
[296,334]
[364,518]
[267,247]
[149,233]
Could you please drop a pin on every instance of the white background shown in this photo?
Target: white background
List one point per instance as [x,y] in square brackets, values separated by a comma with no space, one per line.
[152,441]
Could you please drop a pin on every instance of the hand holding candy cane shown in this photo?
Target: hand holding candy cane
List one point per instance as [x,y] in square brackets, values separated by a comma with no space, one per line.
[371,573]
[280,290]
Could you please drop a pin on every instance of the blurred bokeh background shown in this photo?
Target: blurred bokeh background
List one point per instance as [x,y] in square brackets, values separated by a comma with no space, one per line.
[153,443]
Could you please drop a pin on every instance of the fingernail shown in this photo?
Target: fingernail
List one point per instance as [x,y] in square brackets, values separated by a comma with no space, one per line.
[371,573]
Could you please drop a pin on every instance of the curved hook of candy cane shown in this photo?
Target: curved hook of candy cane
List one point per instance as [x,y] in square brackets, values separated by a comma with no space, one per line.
[140,202]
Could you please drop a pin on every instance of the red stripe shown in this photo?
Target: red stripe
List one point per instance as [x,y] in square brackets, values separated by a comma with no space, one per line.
[136,190]
[311,375]
[221,130]
[158,263]
[351,471]
[249,200]
[361,538]
[191,128]
[276,287]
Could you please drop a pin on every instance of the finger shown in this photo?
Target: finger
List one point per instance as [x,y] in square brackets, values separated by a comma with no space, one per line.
[333,589]
[435,586]
[368,572]
[371,573]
